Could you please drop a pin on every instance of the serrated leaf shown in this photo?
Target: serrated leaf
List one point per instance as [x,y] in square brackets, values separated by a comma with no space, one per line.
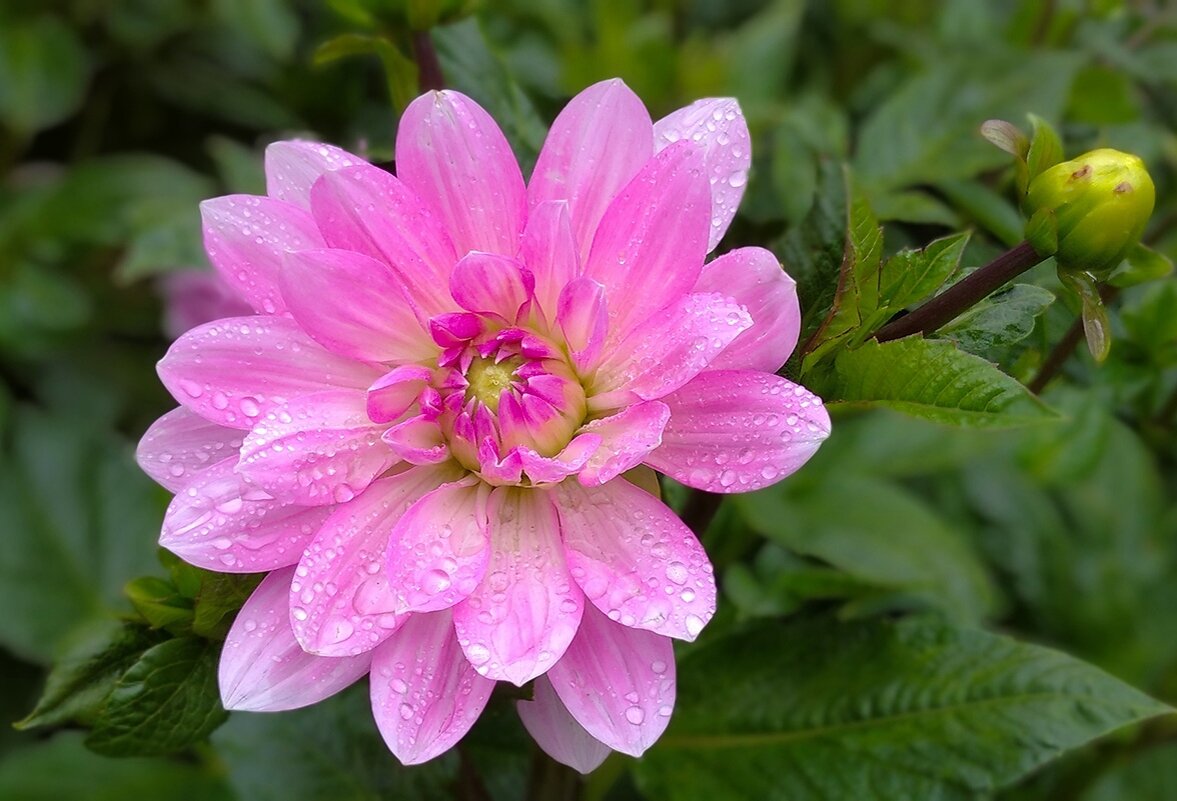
[875,711]
[934,380]
[911,276]
[329,750]
[1002,319]
[220,596]
[886,538]
[78,684]
[167,701]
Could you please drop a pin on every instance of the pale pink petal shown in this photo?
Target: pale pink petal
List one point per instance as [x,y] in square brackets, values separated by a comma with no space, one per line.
[738,430]
[263,669]
[180,445]
[595,146]
[452,154]
[355,306]
[555,731]
[617,682]
[425,695]
[754,278]
[293,166]
[626,438]
[583,318]
[636,561]
[718,124]
[197,296]
[232,372]
[316,449]
[549,252]
[668,350]
[392,394]
[484,282]
[552,469]
[247,237]
[525,611]
[220,523]
[438,550]
[418,440]
[367,210]
[651,242]
[340,600]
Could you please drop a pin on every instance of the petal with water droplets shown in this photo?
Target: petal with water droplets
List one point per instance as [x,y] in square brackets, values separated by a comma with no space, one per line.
[739,430]
[484,282]
[263,669]
[636,561]
[438,550]
[555,731]
[316,449]
[525,611]
[293,166]
[341,600]
[219,522]
[181,444]
[425,695]
[549,252]
[626,438]
[617,682]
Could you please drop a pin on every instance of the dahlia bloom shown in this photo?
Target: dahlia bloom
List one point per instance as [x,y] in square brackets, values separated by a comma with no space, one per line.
[437,431]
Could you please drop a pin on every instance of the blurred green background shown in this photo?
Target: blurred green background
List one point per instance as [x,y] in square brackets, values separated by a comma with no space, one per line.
[118,116]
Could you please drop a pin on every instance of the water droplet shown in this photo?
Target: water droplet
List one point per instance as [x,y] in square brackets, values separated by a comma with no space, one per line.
[635,715]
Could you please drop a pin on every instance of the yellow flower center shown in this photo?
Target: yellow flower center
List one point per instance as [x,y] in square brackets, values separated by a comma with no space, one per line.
[487,380]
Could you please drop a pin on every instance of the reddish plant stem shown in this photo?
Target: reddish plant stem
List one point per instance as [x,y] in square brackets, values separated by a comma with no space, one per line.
[429,75]
[700,510]
[1062,351]
[962,295]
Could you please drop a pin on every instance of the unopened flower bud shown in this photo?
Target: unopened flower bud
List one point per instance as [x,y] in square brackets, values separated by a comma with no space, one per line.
[1100,201]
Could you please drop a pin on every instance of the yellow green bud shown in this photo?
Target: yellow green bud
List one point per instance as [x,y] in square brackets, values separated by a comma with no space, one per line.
[1100,203]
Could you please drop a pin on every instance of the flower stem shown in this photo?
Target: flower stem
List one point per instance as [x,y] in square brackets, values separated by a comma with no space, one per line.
[700,510]
[1066,346]
[429,75]
[551,781]
[962,295]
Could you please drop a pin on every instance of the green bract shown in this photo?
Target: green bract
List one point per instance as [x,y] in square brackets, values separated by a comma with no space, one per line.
[1100,203]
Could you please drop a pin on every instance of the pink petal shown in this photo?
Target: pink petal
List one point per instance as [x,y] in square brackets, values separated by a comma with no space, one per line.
[754,278]
[180,445]
[596,145]
[636,561]
[555,731]
[549,252]
[452,154]
[626,438]
[583,318]
[668,350]
[738,430]
[525,611]
[425,695]
[392,394]
[617,682]
[263,669]
[438,550]
[293,166]
[340,599]
[367,210]
[316,449]
[220,523]
[354,306]
[418,440]
[232,372]
[651,242]
[193,297]
[553,469]
[483,282]
[718,124]
[247,237]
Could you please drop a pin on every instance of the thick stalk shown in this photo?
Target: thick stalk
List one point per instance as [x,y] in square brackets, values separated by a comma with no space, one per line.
[552,781]
[429,75]
[963,294]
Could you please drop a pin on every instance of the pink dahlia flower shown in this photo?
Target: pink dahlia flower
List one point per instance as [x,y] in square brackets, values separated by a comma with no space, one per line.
[437,430]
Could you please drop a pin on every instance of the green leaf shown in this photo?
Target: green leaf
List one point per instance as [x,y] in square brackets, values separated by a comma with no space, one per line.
[911,276]
[825,711]
[62,768]
[166,702]
[159,602]
[914,206]
[79,683]
[220,596]
[271,24]
[1046,149]
[886,537]
[925,131]
[1002,319]
[1141,265]
[989,209]
[1150,776]
[329,750]
[79,519]
[934,380]
[400,71]
[43,73]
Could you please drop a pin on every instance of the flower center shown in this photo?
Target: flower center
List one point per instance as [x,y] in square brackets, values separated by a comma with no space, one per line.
[488,379]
